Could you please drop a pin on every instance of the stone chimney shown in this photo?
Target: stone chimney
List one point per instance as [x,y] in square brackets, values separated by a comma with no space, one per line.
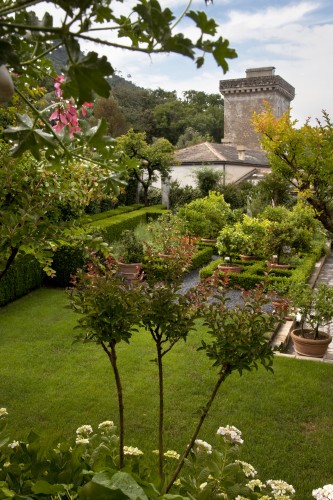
[241,152]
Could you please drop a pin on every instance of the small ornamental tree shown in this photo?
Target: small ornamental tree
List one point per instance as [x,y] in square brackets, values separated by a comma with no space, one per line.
[238,341]
[254,229]
[169,316]
[110,311]
[169,251]
[288,229]
[208,179]
[231,242]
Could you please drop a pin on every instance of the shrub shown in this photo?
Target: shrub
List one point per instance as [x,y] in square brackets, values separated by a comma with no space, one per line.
[129,248]
[205,217]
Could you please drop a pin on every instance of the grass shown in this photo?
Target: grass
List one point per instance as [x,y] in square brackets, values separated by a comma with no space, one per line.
[52,386]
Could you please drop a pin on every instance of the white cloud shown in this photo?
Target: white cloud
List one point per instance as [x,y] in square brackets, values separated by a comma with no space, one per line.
[267,23]
[295,37]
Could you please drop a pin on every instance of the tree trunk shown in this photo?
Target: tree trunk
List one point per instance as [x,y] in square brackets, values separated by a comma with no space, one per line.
[9,262]
[223,375]
[113,359]
[161,411]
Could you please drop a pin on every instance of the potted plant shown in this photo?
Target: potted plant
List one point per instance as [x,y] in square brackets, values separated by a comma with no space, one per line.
[169,251]
[315,310]
[253,231]
[129,251]
[228,243]
[281,300]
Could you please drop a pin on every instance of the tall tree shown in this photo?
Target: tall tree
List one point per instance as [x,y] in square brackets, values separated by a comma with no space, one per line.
[303,156]
[153,159]
[112,112]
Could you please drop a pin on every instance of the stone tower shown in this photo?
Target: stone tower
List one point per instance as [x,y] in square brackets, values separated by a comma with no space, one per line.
[243,96]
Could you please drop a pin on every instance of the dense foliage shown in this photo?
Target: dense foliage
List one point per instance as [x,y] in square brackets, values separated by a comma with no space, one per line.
[184,120]
[303,157]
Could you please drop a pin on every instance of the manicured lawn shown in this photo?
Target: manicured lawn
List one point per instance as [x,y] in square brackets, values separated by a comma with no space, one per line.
[52,386]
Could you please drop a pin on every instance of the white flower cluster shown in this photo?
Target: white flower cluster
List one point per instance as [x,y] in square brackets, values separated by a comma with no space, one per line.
[255,483]
[203,446]
[324,493]
[280,488]
[14,444]
[230,434]
[172,454]
[134,452]
[106,427]
[3,412]
[81,440]
[248,469]
[82,434]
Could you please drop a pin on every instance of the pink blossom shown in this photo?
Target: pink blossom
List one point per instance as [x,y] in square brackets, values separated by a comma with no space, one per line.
[86,105]
[58,81]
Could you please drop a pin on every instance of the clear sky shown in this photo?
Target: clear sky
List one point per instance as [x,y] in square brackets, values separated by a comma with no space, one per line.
[294,36]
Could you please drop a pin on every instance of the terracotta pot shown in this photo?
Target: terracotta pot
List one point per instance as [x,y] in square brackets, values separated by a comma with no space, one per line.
[230,268]
[307,345]
[274,265]
[247,257]
[166,256]
[130,272]
[208,240]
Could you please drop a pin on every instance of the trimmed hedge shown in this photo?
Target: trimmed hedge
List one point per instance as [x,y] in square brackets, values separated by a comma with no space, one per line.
[253,272]
[87,219]
[23,276]
[201,257]
[112,227]
[67,259]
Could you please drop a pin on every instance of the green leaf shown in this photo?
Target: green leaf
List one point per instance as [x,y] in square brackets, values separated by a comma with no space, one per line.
[42,487]
[87,76]
[221,52]
[180,45]
[153,20]
[29,138]
[206,25]
[110,486]
[6,491]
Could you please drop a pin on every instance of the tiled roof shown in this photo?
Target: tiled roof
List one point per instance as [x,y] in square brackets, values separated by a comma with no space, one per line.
[214,153]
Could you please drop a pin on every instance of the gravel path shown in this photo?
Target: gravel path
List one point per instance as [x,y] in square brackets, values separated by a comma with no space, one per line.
[234,296]
[192,279]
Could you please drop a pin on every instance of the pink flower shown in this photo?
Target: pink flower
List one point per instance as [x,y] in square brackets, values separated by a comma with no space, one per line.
[58,81]
[86,105]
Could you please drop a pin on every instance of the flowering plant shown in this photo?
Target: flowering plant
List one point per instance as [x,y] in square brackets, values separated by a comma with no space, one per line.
[88,467]
[324,493]
[66,112]
[216,472]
